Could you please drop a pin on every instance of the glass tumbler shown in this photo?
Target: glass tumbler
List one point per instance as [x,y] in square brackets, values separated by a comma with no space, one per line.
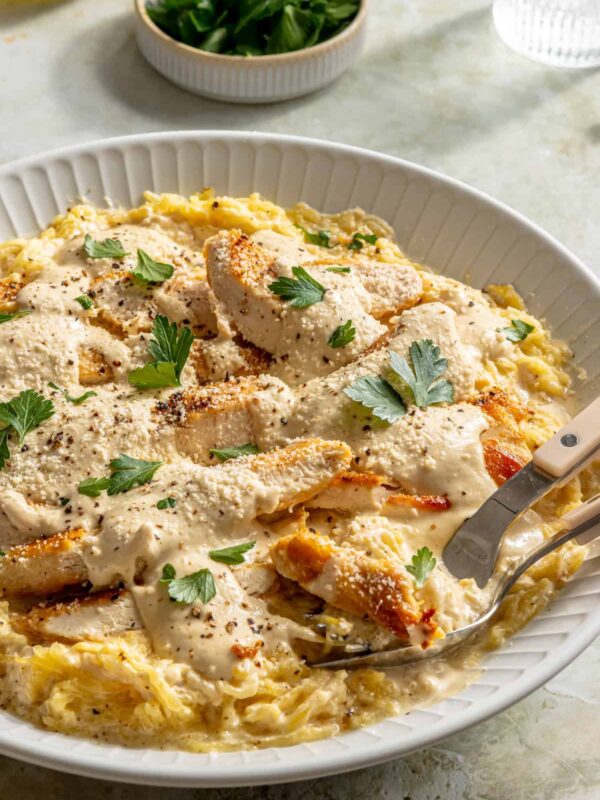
[563,33]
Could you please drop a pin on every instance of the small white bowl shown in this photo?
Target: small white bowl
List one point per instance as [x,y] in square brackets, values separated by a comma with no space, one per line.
[254,79]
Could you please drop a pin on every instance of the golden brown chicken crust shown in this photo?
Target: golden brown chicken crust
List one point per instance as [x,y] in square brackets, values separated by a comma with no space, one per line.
[504,448]
[354,582]
[93,367]
[9,289]
[44,565]
[248,261]
[42,623]
[333,458]
[255,361]
[213,400]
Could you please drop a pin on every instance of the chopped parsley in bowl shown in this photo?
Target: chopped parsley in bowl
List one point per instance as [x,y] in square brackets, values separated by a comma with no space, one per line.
[252,27]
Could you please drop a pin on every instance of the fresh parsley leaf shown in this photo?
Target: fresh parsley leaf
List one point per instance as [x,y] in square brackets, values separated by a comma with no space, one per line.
[197,586]
[85,301]
[341,270]
[103,248]
[25,412]
[300,291]
[291,31]
[342,335]
[227,453]
[150,271]
[422,378]
[170,349]
[233,554]
[154,376]
[24,312]
[377,394]
[4,450]
[166,502]
[421,566]
[518,330]
[340,10]
[169,345]
[64,501]
[320,238]
[254,10]
[77,401]
[93,487]
[168,573]
[251,26]
[359,238]
[2,553]
[128,472]
[216,41]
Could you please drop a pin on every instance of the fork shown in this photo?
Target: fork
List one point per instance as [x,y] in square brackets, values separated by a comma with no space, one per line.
[579,524]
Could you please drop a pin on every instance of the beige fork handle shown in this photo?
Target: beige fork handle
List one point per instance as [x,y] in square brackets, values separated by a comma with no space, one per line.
[581,514]
[573,446]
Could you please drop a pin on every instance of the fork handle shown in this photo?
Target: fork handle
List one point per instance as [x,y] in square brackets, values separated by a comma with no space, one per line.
[581,524]
[582,513]
[573,446]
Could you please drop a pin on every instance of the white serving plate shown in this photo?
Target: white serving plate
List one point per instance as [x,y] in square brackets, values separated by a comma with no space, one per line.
[457,231]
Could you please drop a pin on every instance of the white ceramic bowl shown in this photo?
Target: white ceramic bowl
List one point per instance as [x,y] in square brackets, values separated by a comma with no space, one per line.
[241,79]
[454,229]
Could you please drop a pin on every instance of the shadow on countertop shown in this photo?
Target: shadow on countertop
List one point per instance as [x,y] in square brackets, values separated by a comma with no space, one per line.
[432,101]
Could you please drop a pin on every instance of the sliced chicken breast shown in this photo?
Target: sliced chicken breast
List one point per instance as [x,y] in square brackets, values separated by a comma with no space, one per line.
[504,447]
[233,493]
[92,617]
[44,566]
[354,582]
[241,273]
[365,491]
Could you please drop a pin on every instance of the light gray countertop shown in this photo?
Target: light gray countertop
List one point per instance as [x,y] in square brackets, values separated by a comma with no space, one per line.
[434,86]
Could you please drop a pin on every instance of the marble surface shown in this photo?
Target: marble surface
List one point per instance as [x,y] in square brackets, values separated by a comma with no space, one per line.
[435,86]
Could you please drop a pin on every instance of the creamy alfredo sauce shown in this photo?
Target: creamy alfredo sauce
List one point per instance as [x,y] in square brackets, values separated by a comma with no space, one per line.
[435,450]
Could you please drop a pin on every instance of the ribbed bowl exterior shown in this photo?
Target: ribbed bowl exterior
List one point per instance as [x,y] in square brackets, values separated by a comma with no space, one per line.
[455,230]
[260,79]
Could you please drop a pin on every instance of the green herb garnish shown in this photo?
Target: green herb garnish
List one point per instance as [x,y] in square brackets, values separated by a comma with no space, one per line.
[170,349]
[300,291]
[252,27]
[24,312]
[421,379]
[518,330]
[126,473]
[166,502]
[93,487]
[64,501]
[341,270]
[85,301]
[197,586]
[168,573]
[4,450]
[25,412]
[342,335]
[103,248]
[359,238]
[377,394]
[320,238]
[233,554]
[422,564]
[77,401]
[227,453]
[150,271]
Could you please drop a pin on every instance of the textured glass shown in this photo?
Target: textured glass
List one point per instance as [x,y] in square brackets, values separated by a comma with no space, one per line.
[564,33]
